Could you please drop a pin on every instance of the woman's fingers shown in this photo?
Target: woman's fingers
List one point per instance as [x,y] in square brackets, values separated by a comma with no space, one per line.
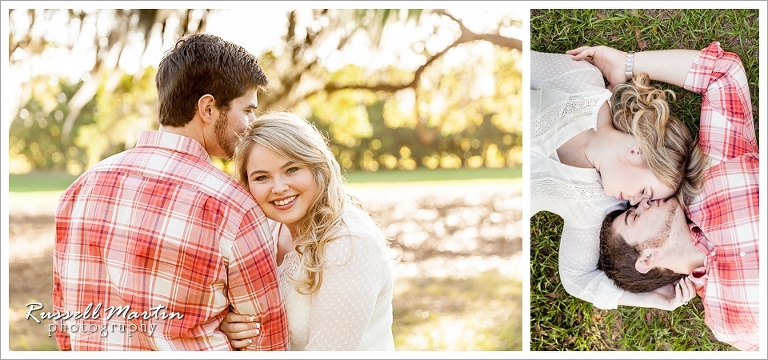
[239,327]
[244,334]
[234,317]
[241,330]
[238,344]
[582,53]
[578,50]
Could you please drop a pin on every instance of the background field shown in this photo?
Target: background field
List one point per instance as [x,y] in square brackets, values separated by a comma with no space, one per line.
[458,285]
[558,320]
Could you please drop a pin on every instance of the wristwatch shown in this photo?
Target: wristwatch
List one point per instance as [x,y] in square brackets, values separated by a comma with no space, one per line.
[629,63]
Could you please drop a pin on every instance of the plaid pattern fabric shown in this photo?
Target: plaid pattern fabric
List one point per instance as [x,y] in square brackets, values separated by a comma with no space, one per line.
[726,215]
[154,246]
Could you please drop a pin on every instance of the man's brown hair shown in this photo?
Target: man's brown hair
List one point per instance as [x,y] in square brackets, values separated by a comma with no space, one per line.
[202,64]
[617,260]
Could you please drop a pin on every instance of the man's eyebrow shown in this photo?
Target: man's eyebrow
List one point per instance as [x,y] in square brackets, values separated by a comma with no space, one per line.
[626,216]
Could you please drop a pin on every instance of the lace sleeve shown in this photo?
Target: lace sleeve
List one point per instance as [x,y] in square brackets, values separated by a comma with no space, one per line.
[560,72]
[578,257]
[343,306]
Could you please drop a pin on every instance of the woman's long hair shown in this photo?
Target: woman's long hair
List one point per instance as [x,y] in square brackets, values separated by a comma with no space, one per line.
[299,141]
[673,155]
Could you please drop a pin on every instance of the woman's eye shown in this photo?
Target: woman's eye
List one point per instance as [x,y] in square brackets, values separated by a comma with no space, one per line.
[260,178]
[292,170]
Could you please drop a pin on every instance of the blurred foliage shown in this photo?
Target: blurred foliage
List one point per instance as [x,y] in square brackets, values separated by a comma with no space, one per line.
[108,123]
[443,114]
[35,131]
[375,131]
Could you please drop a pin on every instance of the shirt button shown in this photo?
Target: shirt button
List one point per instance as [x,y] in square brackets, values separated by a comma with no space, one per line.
[712,253]
[742,253]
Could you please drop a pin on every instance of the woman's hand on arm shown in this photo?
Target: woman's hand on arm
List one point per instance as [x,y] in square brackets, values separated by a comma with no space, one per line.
[669,66]
[608,60]
[240,329]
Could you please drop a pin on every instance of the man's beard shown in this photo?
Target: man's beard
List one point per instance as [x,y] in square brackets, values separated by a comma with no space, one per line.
[224,136]
[661,237]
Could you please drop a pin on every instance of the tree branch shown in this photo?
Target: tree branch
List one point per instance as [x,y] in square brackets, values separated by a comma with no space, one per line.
[466,36]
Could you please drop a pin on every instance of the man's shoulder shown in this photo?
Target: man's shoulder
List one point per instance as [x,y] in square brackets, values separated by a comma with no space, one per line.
[189,174]
[219,185]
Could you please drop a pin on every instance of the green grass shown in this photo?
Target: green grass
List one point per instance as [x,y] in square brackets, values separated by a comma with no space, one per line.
[436,175]
[42,181]
[737,31]
[558,320]
[39,181]
[562,322]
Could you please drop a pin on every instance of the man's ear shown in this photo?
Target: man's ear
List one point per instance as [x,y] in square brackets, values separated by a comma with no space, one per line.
[647,261]
[206,108]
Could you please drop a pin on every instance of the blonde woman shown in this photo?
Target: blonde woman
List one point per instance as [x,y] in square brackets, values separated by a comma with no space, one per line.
[333,261]
[593,151]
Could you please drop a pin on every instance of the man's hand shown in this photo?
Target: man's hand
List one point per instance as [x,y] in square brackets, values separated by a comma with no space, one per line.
[672,296]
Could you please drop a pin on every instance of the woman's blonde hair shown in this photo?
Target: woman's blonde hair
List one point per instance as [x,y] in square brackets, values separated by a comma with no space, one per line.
[299,141]
[672,154]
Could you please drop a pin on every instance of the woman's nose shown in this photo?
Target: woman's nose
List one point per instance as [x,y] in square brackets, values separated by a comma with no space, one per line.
[279,186]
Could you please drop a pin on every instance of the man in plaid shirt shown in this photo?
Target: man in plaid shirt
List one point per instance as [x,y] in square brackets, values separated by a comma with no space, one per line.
[155,245]
[714,243]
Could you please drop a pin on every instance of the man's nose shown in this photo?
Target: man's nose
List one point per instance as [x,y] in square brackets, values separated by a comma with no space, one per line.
[643,205]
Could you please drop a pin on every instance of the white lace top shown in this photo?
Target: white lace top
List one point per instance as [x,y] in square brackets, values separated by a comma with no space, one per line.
[565,98]
[352,310]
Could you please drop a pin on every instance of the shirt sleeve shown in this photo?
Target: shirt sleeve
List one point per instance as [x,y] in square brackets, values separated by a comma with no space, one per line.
[578,257]
[62,337]
[561,73]
[253,282]
[63,227]
[343,306]
[726,127]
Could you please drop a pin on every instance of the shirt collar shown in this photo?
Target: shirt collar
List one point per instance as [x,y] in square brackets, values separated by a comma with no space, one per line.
[704,244]
[173,142]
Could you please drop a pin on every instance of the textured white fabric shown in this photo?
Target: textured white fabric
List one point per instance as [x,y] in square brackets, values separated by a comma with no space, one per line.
[565,98]
[352,310]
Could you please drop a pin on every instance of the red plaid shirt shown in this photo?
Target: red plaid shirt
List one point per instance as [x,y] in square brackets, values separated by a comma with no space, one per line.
[161,233]
[726,216]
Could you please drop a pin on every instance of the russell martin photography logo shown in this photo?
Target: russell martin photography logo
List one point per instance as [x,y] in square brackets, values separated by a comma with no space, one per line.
[96,318]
